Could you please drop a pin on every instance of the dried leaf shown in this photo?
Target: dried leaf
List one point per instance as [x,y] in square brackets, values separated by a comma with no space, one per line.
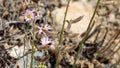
[107,3]
[76,20]
[21,7]
[5,14]
[68,26]
[73,35]
[49,33]
[43,59]
[35,1]
[39,47]
[83,34]
[73,21]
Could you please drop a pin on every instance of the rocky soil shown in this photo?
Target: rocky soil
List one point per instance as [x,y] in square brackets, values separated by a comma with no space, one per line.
[100,49]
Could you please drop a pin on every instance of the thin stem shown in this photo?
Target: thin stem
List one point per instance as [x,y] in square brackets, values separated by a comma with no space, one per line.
[86,35]
[61,36]
[32,55]
[27,61]
[61,33]
[24,49]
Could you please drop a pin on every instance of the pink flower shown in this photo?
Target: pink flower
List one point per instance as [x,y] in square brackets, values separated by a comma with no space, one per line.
[29,15]
[46,27]
[47,41]
[39,31]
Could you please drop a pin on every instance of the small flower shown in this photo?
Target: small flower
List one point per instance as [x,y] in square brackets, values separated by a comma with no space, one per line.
[39,30]
[29,15]
[47,41]
[40,66]
[46,27]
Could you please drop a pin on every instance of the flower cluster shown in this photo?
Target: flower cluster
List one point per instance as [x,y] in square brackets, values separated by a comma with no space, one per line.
[45,40]
[30,15]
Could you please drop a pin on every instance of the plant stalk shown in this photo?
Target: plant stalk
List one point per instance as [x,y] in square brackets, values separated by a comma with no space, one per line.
[61,37]
[86,35]
[33,44]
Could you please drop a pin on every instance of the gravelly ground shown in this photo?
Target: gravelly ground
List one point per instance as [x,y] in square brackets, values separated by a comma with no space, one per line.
[100,49]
